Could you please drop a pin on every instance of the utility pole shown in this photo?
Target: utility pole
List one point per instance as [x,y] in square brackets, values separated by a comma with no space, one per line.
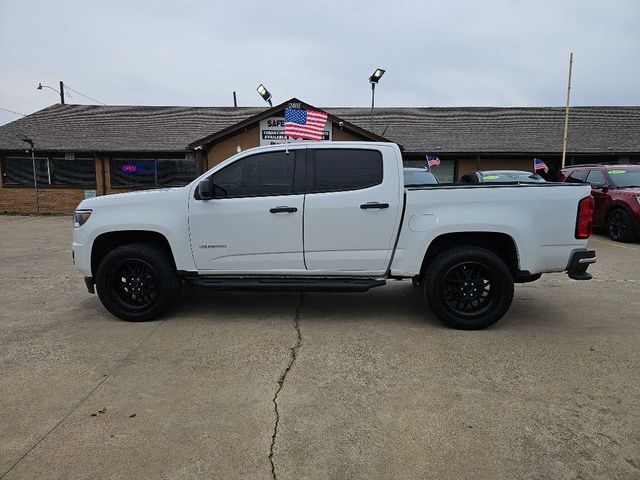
[61,92]
[373,80]
[373,94]
[566,113]
[235,100]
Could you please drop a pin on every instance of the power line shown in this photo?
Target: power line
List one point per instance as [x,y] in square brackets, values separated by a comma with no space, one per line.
[68,92]
[83,95]
[11,111]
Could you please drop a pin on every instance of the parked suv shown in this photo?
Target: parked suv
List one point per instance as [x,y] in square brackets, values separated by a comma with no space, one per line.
[616,190]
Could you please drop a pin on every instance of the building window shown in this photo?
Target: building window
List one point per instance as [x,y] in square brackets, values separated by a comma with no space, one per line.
[50,171]
[153,172]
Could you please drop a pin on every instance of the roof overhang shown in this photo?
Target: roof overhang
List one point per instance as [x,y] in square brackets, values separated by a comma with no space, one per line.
[270,112]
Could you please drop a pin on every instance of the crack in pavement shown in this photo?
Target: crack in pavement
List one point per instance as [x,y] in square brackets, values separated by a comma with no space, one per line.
[293,354]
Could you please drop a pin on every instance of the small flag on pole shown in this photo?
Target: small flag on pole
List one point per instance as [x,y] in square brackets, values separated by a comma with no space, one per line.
[307,124]
[433,161]
[540,165]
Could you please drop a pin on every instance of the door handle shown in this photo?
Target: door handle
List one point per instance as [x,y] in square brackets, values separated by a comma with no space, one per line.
[365,206]
[283,209]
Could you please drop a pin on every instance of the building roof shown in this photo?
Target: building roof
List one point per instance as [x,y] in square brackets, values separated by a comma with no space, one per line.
[96,128]
[93,128]
[276,111]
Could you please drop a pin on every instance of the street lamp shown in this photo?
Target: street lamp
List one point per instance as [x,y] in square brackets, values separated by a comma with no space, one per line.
[27,140]
[61,92]
[264,93]
[373,80]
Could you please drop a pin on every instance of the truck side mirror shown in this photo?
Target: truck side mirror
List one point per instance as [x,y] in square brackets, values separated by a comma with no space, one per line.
[205,189]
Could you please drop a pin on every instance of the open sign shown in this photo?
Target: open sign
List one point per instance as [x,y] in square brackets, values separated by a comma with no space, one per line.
[129,168]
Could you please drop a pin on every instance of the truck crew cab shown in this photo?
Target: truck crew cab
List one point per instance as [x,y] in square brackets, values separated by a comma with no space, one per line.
[331,216]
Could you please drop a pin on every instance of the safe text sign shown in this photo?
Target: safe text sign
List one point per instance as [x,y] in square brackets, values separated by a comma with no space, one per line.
[272,131]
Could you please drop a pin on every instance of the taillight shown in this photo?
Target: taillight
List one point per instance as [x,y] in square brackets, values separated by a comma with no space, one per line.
[584,223]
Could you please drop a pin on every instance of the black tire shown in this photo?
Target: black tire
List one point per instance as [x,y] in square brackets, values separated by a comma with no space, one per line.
[468,288]
[620,225]
[137,282]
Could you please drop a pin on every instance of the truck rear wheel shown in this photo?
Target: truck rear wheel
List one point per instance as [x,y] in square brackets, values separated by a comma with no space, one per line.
[468,287]
[137,282]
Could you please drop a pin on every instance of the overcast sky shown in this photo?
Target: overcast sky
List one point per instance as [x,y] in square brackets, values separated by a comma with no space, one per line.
[436,53]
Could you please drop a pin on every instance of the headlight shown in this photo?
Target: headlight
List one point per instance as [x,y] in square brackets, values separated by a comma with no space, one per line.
[80,217]
[638,198]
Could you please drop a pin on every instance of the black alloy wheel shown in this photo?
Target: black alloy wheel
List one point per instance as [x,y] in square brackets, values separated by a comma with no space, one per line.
[468,287]
[137,282]
[134,284]
[619,226]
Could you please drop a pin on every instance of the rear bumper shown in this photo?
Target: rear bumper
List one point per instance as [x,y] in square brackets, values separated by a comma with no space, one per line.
[579,261]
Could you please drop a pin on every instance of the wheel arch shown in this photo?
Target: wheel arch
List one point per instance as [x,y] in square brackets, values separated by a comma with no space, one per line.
[501,244]
[617,205]
[109,241]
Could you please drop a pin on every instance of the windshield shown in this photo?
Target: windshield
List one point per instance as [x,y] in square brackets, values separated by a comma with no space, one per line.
[625,177]
[418,176]
[524,177]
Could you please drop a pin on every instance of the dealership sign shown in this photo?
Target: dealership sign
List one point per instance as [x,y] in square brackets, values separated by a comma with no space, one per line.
[272,131]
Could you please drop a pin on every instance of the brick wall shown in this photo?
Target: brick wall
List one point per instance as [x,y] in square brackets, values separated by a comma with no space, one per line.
[53,200]
[228,147]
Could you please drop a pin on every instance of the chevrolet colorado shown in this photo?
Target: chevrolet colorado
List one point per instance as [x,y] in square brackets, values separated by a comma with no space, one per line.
[331,216]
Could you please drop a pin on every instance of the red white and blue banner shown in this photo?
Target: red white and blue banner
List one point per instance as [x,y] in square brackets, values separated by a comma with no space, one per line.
[540,165]
[272,131]
[306,124]
[432,161]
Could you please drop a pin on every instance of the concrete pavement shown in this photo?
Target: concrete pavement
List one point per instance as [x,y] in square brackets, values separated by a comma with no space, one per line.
[375,387]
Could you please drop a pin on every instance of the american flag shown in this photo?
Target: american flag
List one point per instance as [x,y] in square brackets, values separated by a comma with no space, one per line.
[433,161]
[300,123]
[540,165]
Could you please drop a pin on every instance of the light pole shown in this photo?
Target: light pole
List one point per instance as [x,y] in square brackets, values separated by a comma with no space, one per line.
[264,93]
[373,80]
[61,92]
[26,139]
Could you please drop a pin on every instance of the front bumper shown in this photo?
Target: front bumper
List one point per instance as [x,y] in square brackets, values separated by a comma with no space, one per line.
[579,261]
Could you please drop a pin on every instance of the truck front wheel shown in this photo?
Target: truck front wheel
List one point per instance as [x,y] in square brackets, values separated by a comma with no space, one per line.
[468,287]
[137,282]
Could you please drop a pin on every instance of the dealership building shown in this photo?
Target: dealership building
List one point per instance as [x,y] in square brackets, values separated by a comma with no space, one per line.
[87,150]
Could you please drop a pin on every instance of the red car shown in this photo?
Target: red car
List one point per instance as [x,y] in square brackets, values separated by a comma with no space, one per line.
[616,190]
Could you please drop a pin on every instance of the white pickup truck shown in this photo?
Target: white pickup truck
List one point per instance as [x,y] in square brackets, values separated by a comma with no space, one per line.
[331,216]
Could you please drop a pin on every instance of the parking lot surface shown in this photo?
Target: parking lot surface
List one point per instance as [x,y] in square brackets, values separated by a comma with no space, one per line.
[314,386]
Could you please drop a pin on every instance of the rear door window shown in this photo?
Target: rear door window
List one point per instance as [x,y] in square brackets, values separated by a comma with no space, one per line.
[596,178]
[343,169]
[578,176]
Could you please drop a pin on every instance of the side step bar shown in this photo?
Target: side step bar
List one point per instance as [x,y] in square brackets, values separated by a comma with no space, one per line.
[291,284]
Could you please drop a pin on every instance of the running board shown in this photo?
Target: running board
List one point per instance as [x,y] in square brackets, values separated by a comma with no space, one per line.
[295,284]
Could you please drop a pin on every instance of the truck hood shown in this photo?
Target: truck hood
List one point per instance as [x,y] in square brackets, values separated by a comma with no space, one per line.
[159,195]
